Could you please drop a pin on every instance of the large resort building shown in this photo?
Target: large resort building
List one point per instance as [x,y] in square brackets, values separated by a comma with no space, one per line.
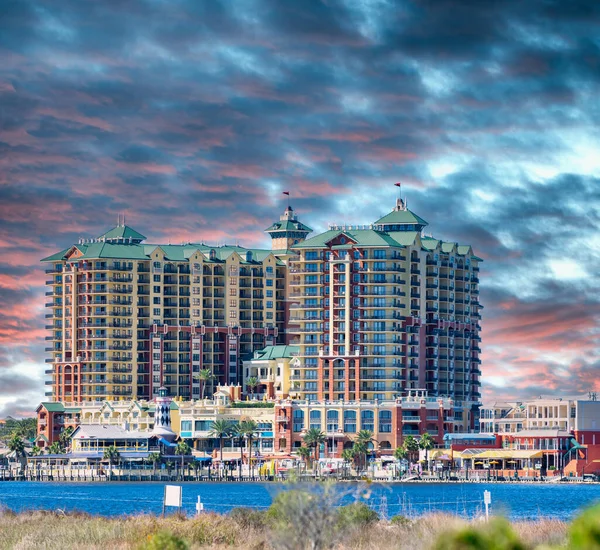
[356,319]
[382,309]
[127,317]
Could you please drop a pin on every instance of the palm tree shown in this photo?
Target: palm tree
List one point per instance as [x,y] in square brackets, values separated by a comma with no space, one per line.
[36,451]
[348,456]
[426,443]
[400,453]
[17,446]
[304,453]
[411,445]
[204,376]
[154,459]
[313,438]
[111,454]
[183,449]
[55,449]
[363,439]
[221,429]
[249,429]
[65,437]
[252,383]
[359,452]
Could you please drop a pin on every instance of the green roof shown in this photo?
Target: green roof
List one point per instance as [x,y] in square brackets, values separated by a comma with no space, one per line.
[276,352]
[363,237]
[401,217]
[289,225]
[122,232]
[52,406]
[56,257]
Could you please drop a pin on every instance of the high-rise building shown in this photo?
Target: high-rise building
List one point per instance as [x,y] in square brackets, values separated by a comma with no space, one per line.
[382,309]
[127,317]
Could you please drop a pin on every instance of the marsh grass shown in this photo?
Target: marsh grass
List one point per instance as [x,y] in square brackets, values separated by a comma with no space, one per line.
[248,529]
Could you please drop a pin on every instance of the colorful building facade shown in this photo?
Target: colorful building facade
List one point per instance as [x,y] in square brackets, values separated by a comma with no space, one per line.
[126,318]
[383,309]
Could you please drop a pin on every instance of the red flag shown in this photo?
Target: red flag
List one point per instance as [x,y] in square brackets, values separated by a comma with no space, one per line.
[286,193]
[398,184]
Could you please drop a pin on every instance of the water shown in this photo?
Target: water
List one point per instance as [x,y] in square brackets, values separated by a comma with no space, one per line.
[516,501]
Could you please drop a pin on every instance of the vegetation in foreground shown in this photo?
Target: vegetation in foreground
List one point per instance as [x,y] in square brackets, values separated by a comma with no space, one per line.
[298,519]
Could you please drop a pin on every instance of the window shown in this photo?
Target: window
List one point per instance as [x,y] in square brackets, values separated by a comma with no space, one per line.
[186,425]
[233,281]
[232,303]
[315,419]
[269,294]
[269,282]
[379,254]
[269,303]
[269,270]
[333,418]
[350,421]
[298,423]
[155,264]
[385,421]
[233,314]
[196,313]
[156,289]
[367,420]
[156,311]
[233,292]
[156,300]
[156,278]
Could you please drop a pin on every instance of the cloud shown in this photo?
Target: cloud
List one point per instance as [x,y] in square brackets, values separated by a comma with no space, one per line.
[193,119]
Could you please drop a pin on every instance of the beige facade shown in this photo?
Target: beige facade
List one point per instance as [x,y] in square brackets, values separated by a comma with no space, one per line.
[126,317]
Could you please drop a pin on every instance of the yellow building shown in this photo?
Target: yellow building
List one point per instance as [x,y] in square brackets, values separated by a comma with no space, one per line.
[271,369]
[126,317]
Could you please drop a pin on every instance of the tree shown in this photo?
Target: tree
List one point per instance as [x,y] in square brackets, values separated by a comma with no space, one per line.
[154,459]
[400,453]
[65,437]
[204,376]
[411,445]
[359,452]
[304,453]
[313,438]
[183,449]
[252,383]
[426,443]
[361,444]
[112,455]
[248,429]
[348,456]
[221,429]
[56,449]
[36,451]
[17,446]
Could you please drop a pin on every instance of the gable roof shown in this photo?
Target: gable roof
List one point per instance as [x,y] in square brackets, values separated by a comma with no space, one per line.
[122,232]
[289,225]
[275,352]
[401,217]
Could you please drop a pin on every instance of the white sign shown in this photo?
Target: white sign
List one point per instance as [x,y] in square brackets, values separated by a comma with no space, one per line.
[172,496]
[487,497]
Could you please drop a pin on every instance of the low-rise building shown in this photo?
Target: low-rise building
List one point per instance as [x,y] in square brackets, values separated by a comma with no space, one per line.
[390,421]
[272,369]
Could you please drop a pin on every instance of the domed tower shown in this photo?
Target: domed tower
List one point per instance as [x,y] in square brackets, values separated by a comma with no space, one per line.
[162,415]
[288,231]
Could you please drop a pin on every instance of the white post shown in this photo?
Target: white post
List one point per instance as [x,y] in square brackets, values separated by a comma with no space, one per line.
[199,506]
[487,500]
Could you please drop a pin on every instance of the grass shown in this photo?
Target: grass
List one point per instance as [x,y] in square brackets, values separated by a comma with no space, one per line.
[246,529]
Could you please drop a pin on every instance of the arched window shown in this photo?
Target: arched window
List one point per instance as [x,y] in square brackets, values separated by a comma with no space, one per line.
[385,421]
[367,420]
[385,446]
[350,421]
[315,419]
[298,424]
[333,419]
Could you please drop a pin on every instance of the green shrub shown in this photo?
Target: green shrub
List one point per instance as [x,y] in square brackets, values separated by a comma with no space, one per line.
[496,535]
[164,540]
[357,514]
[249,518]
[585,530]
[400,520]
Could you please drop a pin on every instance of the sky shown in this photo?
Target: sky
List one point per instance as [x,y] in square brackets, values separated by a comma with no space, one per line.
[191,118]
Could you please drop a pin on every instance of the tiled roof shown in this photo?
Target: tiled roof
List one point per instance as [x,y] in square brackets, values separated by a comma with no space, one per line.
[401,217]
[275,352]
[122,232]
[96,431]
